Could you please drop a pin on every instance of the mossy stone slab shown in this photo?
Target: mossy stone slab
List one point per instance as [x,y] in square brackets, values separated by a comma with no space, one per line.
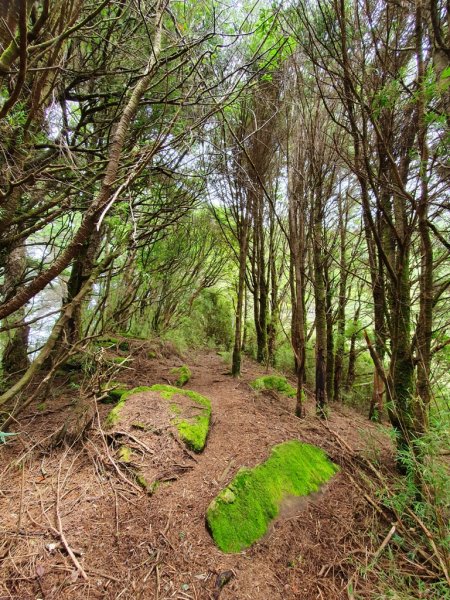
[241,513]
[193,431]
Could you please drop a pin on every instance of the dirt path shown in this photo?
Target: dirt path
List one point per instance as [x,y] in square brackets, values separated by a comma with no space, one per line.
[134,546]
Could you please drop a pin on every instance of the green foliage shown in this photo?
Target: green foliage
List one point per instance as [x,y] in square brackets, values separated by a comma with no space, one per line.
[274,382]
[241,513]
[284,358]
[184,374]
[209,324]
[425,489]
[269,43]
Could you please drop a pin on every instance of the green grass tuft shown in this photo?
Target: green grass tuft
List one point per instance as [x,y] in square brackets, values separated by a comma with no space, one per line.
[184,374]
[241,513]
[274,382]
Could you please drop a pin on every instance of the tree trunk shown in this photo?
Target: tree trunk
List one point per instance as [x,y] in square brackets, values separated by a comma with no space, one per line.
[342,303]
[320,306]
[15,355]
[237,348]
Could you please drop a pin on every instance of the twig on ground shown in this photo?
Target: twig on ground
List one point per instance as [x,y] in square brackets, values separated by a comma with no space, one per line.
[136,440]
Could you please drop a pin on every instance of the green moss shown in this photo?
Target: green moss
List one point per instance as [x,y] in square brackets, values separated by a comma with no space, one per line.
[150,488]
[184,374]
[193,431]
[274,382]
[111,342]
[124,454]
[74,363]
[151,354]
[118,360]
[133,336]
[140,425]
[105,342]
[241,513]
[114,391]
[114,415]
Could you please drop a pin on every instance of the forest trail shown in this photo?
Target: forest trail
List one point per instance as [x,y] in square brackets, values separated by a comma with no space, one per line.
[132,545]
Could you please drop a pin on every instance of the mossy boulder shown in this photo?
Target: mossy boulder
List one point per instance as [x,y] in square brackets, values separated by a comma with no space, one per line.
[242,512]
[274,382]
[184,374]
[114,415]
[193,430]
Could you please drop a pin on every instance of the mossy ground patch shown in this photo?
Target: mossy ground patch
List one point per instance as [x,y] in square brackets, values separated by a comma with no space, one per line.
[274,382]
[242,512]
[184,374]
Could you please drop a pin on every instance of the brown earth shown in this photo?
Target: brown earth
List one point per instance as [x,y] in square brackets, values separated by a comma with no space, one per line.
[132,545]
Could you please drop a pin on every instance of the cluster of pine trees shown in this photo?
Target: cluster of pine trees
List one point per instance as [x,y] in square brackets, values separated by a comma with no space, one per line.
[156,157]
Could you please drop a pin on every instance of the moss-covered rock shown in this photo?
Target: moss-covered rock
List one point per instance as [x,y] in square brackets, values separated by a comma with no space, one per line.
[114,415]
[241,513]
[193,431]
[274,382]
[184,374]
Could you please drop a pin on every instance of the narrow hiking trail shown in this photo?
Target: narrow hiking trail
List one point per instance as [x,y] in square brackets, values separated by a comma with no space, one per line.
[131,545]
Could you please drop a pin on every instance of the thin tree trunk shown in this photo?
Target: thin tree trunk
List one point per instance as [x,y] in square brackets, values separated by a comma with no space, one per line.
[237,349]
